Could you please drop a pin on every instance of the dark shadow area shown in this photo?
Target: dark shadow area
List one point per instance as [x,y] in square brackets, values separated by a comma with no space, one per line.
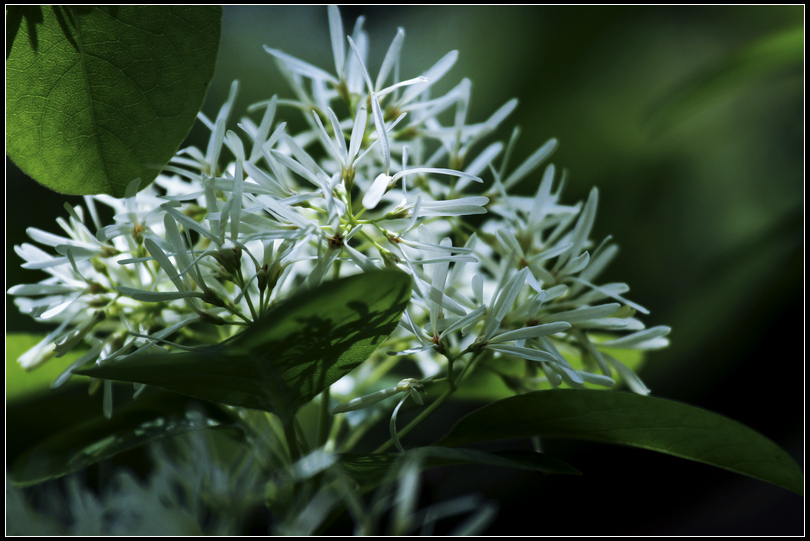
[31,16]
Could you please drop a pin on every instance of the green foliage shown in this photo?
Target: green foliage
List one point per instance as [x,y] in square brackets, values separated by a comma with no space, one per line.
[289,356]
[370,470]
[640,421]
[21,384]
[99,96]
[779,51]
[146,420]
[506,377]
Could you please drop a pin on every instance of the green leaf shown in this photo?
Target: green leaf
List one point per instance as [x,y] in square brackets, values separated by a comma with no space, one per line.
[143,421]
[370,470]
[780,51]
[99,96]
[289,356]
[507,376]
[640,421]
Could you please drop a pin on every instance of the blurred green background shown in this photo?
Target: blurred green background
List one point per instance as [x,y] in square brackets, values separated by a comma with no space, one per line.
[690,120]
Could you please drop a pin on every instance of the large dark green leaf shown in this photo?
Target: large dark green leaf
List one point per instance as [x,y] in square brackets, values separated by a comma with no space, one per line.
[372,470]
[288,357]
[641,421]
[99,96]
[146,420]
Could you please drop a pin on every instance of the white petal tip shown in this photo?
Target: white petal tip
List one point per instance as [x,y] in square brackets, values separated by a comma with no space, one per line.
[375,192]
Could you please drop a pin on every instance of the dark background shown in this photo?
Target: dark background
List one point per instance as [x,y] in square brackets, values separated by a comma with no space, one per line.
[698,154]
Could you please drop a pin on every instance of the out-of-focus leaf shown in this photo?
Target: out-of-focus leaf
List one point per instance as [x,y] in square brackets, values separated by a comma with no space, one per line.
[640,421]
[99,96]
[146,420]
[779,51]
[289,356]
[375,469]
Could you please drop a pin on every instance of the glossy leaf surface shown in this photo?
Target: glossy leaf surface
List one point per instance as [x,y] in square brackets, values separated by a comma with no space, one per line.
[99,96]
[639,421]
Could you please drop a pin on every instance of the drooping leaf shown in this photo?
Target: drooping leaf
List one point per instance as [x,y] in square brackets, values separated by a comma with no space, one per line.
[371,470]
[143,421]
[99,96]
[640,421]
[289,356]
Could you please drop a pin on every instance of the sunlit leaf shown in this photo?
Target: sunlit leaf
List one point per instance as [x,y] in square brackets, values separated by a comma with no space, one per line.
[21,384]
[640,421]
[146,420]
[289,356]
[99,96]
[506,376]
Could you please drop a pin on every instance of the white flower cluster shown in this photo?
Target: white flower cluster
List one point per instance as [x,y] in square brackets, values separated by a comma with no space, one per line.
[384,175]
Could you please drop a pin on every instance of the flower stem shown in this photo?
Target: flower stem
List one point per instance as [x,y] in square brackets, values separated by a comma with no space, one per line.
[324,419]
[453,386]
[292,443]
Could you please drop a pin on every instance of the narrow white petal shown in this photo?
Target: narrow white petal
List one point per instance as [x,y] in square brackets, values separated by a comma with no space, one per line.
[523,353]
[629,377]
[646,339]
[375,192]
[382,135]
[300,67]
[337,35]
[358,131]
[607,292]
[40,289]
[531,163]
[531,332]
[327,141]
[391,57]
[433,74]
[387,90]
[455,207]
[165,263]
[156,296]
[339,139]
[366,401]
[584,313]
[437,170]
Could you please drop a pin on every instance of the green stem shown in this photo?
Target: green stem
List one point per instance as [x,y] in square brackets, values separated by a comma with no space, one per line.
[324,419]
[247,296]
[331,442]
[303,444]
[435,404]
[355,435]
[292,443]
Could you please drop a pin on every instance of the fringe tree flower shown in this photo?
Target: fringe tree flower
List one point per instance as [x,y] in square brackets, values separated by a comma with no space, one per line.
[384,174]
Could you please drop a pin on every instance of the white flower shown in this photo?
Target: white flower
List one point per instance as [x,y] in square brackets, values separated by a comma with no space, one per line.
[378,187]
[212,241]
[410,387]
